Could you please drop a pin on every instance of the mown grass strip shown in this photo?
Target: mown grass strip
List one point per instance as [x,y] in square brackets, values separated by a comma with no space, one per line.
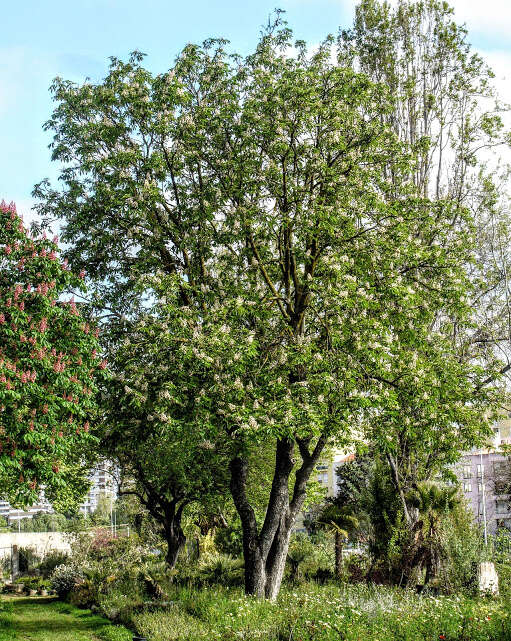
[46,619]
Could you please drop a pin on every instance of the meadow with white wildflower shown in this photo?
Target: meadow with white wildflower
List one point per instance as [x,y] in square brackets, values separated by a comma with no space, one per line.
[325,613]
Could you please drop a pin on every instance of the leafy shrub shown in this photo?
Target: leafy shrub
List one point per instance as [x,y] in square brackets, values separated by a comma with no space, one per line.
[51,561]
[319,565]
[5,566]
[115,633]
[64,578]
[504,574]
[104,543]
[229,540]
[83,594]
[356,567]
[28,559]
[300,549]
[212,569]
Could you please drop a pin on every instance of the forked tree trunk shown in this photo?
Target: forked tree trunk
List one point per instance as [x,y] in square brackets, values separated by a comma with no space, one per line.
[265,550]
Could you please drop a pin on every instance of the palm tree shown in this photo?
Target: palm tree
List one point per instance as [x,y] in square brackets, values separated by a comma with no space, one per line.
[342,522]
[433,503]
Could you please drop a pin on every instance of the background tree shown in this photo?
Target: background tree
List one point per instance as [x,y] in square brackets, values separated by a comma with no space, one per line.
[253,201]
[432,502]
[342,522]
[445,110]
[150,427]
[366,489]
[102,515]
[49,364]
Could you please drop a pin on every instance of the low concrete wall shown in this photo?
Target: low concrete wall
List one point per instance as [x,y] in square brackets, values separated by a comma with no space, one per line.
[40,542]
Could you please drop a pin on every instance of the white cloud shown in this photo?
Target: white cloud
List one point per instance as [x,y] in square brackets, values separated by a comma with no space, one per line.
[492,17]
[500,63]
[488,18]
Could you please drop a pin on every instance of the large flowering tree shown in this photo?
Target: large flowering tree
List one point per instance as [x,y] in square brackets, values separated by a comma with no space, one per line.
[48,362]
[302,279]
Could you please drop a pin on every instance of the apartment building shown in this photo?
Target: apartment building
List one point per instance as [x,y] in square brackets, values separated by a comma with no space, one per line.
[484,476]
[103,482]
[327,470]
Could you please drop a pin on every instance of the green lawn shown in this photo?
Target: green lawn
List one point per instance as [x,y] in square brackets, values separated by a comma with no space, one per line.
[45,619]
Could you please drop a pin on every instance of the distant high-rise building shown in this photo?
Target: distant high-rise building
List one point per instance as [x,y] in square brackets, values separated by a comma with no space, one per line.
[485,476]
[102,483]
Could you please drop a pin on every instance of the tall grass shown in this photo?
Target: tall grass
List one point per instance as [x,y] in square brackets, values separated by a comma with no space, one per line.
[325,613]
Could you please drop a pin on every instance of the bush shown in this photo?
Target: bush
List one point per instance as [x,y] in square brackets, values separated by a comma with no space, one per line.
[461,552]
[64,578]
[28,559]
[210,570]
[300,549]
[51,561]
[83,594]
[319,566]
[229,540]
[115,633]
[357,567]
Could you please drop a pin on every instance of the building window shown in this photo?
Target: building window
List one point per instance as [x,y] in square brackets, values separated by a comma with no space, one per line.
[501,507]
[467,472]
[467,487]
[480,469]
[320,468]
[479,487]
[501,487]
[323,478]
[500,468]
[481,507]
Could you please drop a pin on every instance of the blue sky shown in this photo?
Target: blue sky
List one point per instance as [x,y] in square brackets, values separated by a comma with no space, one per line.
[45,38]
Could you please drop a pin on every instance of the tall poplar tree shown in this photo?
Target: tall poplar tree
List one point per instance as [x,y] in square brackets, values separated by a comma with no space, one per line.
[445,109]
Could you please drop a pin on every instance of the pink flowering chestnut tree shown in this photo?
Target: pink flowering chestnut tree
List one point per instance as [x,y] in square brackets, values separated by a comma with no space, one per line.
[49,365]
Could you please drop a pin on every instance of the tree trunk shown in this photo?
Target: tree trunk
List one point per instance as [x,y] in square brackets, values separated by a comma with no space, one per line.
[255,571]
[397,483]
[276,561]
[338,554]
[265,551]
[176,539]
[429,571]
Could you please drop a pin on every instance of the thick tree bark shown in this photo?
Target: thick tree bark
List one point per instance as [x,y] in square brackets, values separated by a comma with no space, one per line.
[175,539]
[276,562]
[265,551]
